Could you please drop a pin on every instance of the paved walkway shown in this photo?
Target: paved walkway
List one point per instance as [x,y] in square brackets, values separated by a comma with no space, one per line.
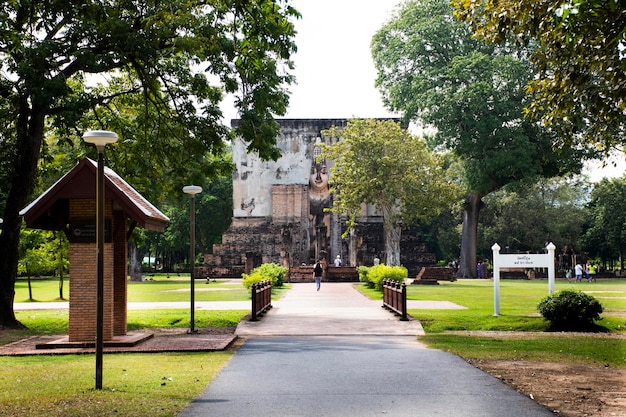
[336,353]
[337,309]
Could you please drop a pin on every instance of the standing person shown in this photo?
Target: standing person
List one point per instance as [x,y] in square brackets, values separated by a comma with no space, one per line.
[578,272]
[593,269]
[338,261]
[588,271]
[479,269]
[454,265]
[376,260]
[317,274]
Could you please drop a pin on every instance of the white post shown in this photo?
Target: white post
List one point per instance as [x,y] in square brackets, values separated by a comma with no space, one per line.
[496,279]
[551,269]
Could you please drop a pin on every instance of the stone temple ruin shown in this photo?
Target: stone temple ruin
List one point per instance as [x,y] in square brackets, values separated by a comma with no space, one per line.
[278,213]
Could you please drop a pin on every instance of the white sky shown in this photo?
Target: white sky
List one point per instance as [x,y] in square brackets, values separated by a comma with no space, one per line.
[615,167]
[334,70]
[333,66]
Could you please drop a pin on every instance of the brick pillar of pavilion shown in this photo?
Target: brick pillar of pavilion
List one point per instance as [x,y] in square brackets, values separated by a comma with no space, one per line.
[120,273]
[83,274]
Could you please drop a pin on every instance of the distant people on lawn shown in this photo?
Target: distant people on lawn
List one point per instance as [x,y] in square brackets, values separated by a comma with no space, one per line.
[578,272]
[568,274]
[592,270]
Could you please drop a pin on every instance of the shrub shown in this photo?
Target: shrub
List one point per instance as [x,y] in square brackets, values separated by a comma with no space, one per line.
[271,271]
[362,271]
[378,273]
[570,310]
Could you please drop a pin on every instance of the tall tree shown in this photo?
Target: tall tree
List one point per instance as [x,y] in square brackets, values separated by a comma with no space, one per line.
[580,85]
[525,217]
[432,69]
[181,55]
[605,236]
[380,163]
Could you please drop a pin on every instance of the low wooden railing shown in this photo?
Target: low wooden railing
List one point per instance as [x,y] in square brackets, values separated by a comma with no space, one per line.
[261,298]
[394,298]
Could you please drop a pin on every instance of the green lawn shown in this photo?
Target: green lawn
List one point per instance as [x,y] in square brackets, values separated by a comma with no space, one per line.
[518,304]
[518,312]
[140,385]
[602,350]
[157,288]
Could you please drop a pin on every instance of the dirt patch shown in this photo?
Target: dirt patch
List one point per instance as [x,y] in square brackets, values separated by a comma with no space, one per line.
[570,390]
[162,340]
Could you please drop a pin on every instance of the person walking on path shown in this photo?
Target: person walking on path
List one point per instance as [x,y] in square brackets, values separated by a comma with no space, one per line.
[317,274]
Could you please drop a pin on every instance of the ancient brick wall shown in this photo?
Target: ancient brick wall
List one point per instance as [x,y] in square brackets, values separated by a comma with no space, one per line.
[280,211]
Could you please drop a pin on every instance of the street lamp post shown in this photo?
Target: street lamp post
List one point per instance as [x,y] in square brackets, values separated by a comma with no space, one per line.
[192,190]
[100,138]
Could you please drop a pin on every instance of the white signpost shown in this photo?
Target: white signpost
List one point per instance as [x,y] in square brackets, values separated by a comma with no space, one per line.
[520,260]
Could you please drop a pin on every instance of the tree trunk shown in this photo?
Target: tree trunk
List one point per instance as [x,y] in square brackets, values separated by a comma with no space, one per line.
[471,209]
[60,265]
[9,240]
[30,287]
[134,269]
[61,286]
[393,233]
[30,128]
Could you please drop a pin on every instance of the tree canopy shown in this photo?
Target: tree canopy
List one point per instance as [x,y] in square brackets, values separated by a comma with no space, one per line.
[527,217]
[176,59]
[434,71]
[380,163]
[580,84]
[605,236]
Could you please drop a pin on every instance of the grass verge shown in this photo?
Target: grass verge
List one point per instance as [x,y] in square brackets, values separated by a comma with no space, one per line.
[519,313]
[139,385]
[159,288]
[133,384]
[594,350]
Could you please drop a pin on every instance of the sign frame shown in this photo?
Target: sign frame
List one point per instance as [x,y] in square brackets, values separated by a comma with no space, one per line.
[521,260]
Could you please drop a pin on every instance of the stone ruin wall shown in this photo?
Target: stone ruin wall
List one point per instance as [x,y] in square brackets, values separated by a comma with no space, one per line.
[278,217]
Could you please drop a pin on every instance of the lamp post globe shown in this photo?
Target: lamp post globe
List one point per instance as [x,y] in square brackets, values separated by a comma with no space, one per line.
[192,190]
[100,138]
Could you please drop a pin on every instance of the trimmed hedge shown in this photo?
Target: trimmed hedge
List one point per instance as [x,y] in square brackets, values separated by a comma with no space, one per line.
[271,271]
[375,275]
